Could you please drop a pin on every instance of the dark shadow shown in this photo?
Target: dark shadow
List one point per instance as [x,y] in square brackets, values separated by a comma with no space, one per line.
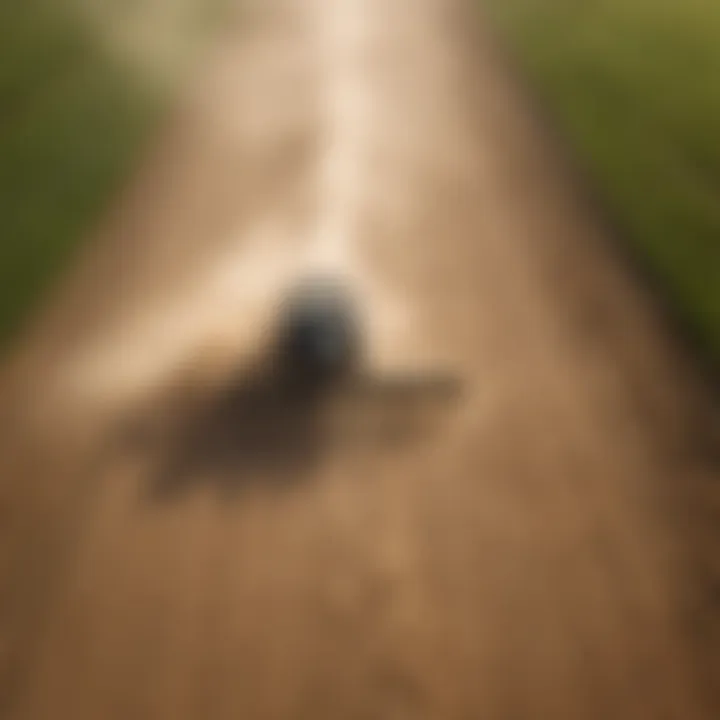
[254,429]
[259,429]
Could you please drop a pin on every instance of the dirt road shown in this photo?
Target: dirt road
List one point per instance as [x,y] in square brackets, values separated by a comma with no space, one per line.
[535,552]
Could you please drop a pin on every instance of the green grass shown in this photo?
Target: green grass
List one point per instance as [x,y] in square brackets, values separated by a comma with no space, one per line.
[635,86]
[71,122]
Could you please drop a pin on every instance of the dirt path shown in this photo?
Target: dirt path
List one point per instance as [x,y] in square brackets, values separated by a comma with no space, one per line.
[527,557]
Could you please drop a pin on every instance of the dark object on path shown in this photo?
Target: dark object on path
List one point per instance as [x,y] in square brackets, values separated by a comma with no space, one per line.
[319,340]
[312,390]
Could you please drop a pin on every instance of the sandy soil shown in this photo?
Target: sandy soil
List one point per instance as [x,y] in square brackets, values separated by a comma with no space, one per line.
[544,548]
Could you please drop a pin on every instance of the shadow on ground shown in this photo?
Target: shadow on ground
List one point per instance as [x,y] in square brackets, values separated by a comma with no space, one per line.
[254,429]
[250,430]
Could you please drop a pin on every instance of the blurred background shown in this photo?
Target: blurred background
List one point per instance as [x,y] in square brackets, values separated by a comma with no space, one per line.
[83,87]
[630,86]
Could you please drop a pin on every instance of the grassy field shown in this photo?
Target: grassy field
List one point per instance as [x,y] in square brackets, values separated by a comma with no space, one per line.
[70,121]
[635,86]
[75,109]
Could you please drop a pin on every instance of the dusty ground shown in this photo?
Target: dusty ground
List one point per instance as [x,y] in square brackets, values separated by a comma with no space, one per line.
[540,551]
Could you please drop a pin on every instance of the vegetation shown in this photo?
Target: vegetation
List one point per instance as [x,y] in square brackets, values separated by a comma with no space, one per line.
[70,121]
[633,85]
